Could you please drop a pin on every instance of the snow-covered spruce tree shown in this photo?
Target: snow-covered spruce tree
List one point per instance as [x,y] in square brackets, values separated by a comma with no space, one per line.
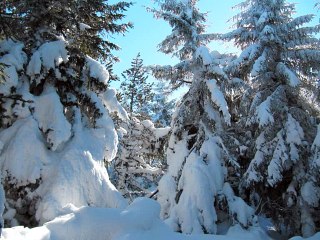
[136,92]
[278,113]
[138,165]
[57,136]
[195,194]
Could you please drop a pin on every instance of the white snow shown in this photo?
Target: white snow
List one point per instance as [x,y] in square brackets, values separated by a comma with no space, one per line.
[41,146]
[279,157]
[263,113]
[75,175]
[97,70]
[291,77]
[111,103]
[203,53]
[51,119]
[104,132]
[22,141]
[294,136]
[259,65]
[238,207]
[14,59]
[83,26]
[140,221]
[218,98]
[251,173]
[15,56]
[314,237]
[147,124]
[248,54]
[263,18]
[34,66]
[49,56]
[311,194]
[198,189]
[161,132]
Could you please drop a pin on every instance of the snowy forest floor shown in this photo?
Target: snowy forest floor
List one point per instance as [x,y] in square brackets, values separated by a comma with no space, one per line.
[139,221]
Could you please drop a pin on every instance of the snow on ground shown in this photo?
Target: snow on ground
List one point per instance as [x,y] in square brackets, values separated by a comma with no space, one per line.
[139,221]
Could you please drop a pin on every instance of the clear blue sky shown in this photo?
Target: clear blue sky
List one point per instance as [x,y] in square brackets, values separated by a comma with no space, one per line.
[148,32]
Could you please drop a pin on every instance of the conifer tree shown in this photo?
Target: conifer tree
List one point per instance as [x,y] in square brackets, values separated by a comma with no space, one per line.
[60,129]
[277,112]
[161,107]
[136,92]
[195,194]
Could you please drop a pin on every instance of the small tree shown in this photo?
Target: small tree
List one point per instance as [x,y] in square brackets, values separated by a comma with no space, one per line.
[135,90]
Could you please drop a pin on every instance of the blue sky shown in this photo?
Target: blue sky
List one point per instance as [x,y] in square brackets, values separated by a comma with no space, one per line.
[148,32]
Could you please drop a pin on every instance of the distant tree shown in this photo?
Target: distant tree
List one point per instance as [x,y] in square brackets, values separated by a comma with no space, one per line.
[57,135]
[195,193]
[278,112]
[161,107]
[136,92]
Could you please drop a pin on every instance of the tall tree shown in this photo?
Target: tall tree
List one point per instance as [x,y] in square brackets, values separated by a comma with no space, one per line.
[135,90]
[195,194]
[60,128]
[278,109]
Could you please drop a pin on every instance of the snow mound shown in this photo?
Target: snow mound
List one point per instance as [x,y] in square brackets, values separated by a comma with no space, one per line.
[140,221]
[22,141]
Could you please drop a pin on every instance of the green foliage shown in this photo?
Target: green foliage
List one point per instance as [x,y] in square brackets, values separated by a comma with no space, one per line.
[86,24]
